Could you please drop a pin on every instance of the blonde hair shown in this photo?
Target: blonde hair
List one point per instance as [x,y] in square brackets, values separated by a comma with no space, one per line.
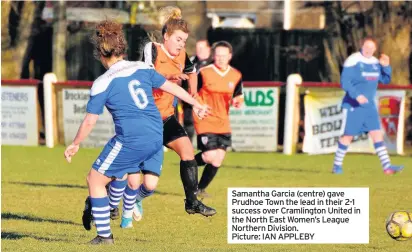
[169,12]
[166,14]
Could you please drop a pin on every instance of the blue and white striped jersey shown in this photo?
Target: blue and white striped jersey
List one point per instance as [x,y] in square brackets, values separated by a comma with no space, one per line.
[360,76]
[126,91]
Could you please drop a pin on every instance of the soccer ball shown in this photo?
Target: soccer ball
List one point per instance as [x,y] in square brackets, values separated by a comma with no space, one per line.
[399,225]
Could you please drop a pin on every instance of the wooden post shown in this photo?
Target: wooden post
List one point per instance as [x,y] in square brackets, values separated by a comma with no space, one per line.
[291,114]
[296,120]
[50,116]
[408,125]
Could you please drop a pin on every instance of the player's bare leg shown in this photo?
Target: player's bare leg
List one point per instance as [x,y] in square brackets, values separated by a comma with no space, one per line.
[381,151]
[189,176]
[213,160]
[129,199]
[145,190]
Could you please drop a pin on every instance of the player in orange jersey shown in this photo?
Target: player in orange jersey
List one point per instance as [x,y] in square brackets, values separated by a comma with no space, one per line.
[170,60]
[220,86]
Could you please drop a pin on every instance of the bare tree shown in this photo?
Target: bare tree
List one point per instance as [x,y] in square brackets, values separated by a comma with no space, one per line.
[59,40]
[193,12]
[17,21]
[389,22]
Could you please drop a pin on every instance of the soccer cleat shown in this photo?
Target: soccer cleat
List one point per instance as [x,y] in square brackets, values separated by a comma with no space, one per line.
[87,217]
[126,223]
[138,211]
[337,169]
[100,240]
[114,213]
[393,169]
[200,208]
[201,193]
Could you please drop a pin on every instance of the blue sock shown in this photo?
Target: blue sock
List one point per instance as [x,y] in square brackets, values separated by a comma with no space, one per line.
[101,215]
[143,192]
[129,198]
[116,190]
[340,154]
[382,154]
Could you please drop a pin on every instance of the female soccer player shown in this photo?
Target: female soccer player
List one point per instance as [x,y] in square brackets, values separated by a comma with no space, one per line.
[126,91]
[171,61]
[220,85]
[360,77]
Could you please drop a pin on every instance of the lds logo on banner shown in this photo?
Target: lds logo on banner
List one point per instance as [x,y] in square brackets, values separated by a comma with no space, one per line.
[325,122]
[255,124]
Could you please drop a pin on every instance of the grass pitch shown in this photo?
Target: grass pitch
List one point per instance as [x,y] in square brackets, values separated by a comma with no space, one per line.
[43,199]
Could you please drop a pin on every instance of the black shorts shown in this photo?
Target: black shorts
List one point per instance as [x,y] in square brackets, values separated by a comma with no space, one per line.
[172,130]
[187,116]
[207,142]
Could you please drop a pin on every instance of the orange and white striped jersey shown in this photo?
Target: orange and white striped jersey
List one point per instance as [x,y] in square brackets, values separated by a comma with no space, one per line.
[217,89]
[156,55]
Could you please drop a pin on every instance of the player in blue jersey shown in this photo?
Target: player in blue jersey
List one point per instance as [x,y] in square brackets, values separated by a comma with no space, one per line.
[360,77]
[126,91]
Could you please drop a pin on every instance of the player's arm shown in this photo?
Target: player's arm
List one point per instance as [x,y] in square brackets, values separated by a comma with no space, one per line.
[192,81]
[85,128]
[158,81]
[346,81]
[238,97]
[190,70]
[94,108]
[180,93]
[386,70]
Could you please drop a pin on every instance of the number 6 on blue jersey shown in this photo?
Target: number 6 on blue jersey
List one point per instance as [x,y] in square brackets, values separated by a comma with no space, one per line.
[138,94]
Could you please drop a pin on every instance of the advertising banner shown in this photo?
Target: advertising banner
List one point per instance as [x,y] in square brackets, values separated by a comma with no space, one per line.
[255,125]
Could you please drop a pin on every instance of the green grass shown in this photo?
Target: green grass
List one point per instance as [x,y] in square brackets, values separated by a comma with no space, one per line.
[43,198]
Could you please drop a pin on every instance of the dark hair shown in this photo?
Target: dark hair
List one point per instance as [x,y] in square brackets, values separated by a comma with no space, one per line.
[222,43]
[109,40]
[174,24]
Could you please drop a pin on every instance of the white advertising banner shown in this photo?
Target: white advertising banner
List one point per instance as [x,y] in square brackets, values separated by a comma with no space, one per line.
[74,110]
[325,122]
[255,125]
[19,121]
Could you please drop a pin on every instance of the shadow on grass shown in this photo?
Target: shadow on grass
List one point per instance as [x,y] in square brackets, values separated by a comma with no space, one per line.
[141,240]
[261,168]
[74,186]
[18,236]
[14,216]
[272,169]
[167,194]
[363,246]
[47,185]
